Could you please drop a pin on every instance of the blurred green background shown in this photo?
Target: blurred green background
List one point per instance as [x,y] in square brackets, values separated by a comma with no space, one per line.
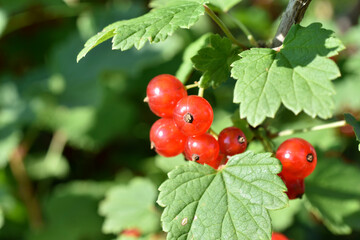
[71,131]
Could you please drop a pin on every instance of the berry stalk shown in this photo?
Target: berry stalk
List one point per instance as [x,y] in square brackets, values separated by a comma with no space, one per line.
[315,128]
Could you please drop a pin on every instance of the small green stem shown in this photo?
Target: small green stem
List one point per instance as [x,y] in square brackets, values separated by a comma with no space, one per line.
[201,92]
[316,128]
[194,85]
[213,133]
[243,28]
[223,27]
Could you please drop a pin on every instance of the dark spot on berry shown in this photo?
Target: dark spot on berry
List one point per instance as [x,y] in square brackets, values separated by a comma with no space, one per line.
[195,157]
[188,118]
[241,139]
[300,195]
[310,157]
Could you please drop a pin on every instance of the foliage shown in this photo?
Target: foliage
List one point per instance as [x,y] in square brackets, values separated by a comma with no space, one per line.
[297,76]
[202,203]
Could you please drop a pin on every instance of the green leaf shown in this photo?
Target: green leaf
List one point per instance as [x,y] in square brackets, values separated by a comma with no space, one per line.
[186,66]
[154,26]
[284,218]
[131,206]
[225,5]
[47,166]
[299,76]
[232,203]
[350,119]
[72,207]
[215,60]
[166,164]
[1,217]
[347,96]
[333,194]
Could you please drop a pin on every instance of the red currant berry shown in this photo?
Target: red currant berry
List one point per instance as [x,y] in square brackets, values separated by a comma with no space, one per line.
[232,141]
[298,158]
[222,159]
[131,232]
[278,236]
[203,149]
[296,187]
[166,138]
[163,92]
[193,115]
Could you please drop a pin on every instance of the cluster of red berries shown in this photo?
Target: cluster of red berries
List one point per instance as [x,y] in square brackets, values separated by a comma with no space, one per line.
[184,123]
[298,158]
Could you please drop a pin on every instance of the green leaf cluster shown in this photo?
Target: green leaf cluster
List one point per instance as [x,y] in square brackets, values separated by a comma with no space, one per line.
[231,203]
[154,26]
[215,60]
[131,206]
[298,76]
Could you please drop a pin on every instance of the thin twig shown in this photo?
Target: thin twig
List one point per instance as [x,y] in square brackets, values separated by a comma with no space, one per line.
[293,14]
[201,92]
[194,85]
[213,133]
[316,128]
[57,145]
[223,27]
[26,189]
[246,31]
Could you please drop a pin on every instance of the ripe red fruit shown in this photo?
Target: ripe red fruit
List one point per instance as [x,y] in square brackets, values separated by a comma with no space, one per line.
[163,92]
[232,141]
[166,138]
[193,115]
[132,232]
[222,159]
[296,187]
[298,158]
[278,236]
[203,149]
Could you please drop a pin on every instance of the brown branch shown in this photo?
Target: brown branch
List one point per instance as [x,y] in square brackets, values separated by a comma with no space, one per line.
[26,189]
[293,14]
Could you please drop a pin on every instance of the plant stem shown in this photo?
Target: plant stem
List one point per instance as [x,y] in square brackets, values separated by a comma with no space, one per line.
[194,85]
[260,134]
[243,28]
[57,145]
[25,186]
[293,14]
[213,133]
[201,92]
[223,27]
[316,128]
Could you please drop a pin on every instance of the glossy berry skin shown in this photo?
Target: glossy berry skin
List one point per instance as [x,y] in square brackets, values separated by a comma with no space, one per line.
[193,115]
[232,141]
[222,159]
[296,187]
[298,158]
[163,92]
[203,149]
[278,236]
[166,138]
